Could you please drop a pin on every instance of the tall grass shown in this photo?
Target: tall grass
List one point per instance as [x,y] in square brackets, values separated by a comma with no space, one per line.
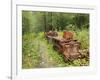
[83,37]
[30,57]
[35,44]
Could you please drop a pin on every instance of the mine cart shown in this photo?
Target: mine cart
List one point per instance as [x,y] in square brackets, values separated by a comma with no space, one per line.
[69,48]
[65,45]
[49,35]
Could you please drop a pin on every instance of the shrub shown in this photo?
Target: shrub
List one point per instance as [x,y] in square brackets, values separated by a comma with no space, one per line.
[83,37]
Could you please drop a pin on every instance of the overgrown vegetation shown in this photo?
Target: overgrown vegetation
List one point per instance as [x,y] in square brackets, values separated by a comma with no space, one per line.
[35,44]
[37,52]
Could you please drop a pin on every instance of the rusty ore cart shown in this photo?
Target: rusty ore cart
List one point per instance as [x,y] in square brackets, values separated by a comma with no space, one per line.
[69,48]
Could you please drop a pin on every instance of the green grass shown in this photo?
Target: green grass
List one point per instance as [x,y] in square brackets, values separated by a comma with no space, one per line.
[35,44]
[83,37]
[30,57]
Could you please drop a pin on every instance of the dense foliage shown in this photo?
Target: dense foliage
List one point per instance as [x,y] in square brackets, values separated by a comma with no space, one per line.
[37,52]
[44,21]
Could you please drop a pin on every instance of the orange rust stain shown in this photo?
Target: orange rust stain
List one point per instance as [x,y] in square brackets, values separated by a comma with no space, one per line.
[67,35]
